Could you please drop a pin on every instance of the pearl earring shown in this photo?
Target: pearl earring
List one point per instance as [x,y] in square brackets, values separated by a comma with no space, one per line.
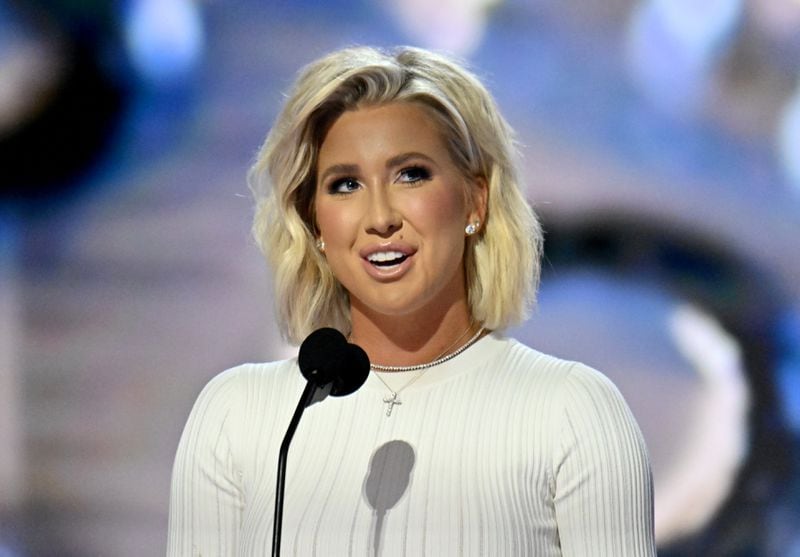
[472,227]
[321,244]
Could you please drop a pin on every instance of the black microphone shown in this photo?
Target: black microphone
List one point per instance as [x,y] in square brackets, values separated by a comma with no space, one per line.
[325,359]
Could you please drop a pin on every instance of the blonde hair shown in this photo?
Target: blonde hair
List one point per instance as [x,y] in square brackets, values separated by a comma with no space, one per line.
[501,262]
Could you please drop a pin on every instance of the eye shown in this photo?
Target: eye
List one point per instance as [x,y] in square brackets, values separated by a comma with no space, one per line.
[343,185]
[413,174]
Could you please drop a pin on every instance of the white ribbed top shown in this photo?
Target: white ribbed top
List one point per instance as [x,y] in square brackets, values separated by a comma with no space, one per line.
[499,451]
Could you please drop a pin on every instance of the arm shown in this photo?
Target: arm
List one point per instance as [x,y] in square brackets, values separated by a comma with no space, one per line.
[603,485]
[206,499]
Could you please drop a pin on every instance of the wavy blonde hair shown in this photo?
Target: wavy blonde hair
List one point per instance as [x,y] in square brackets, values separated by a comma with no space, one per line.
[501,262]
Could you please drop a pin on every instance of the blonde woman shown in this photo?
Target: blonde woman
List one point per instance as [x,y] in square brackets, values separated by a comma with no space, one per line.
[389,207]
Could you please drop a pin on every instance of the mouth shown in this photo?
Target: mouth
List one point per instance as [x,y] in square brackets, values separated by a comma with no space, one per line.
[388,262]
[386,259]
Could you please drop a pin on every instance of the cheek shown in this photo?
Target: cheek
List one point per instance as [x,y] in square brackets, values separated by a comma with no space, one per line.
[334,222]
[442,211]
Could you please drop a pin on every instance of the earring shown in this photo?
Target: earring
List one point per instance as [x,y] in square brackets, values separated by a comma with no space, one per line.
[321,245]
[472,227]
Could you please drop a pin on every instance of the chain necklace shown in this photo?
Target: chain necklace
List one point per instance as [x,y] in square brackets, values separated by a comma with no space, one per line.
[391,400]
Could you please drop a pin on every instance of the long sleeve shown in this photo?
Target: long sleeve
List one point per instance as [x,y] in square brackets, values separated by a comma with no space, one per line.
[206,500]
[603,484]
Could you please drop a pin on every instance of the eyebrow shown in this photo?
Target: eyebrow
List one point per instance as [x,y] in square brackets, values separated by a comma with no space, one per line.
[338,169]
[404,157]
[397,160]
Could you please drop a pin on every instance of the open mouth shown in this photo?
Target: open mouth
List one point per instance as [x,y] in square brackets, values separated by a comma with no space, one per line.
[386,258]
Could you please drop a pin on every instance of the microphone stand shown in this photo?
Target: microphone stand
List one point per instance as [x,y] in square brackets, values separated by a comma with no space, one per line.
[305,399]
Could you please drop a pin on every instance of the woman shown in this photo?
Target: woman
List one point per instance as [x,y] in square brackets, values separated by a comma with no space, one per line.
[389,207]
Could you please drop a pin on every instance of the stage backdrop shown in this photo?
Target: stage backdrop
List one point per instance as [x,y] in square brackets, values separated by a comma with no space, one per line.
[660,141]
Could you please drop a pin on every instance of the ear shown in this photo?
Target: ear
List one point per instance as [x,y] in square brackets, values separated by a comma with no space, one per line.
[478,199]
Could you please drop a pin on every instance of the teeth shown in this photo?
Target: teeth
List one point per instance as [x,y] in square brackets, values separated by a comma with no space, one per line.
[382,256]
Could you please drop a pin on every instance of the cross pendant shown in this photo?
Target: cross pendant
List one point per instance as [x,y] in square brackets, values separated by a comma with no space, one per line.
[391,402]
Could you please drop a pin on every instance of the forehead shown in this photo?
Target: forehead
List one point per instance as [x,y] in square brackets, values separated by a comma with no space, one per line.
[386,129]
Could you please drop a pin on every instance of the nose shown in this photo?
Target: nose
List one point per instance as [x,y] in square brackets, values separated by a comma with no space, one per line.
[382,217]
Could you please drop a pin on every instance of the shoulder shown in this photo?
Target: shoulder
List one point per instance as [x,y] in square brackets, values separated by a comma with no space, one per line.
[232,387]
[232,401]
[589,414]
[585,412]
[248,373]
[565,387]
[244,374]
[550,373]
[524,358]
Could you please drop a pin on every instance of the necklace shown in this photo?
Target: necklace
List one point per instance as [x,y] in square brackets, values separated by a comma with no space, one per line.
[391,400]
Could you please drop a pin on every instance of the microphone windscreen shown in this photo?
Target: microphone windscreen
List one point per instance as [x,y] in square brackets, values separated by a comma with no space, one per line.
[355,374]
[323,356]
[326,357]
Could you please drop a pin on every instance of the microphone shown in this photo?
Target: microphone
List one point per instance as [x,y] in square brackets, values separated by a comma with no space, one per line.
[325,359]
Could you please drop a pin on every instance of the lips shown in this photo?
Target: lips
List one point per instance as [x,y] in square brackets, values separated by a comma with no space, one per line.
[388,260]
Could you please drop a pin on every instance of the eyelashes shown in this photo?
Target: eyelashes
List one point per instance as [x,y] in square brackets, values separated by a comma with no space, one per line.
[413,174]
[408,175]
[342,186]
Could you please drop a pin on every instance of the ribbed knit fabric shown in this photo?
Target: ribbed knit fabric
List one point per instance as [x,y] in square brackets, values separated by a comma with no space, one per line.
[502,451]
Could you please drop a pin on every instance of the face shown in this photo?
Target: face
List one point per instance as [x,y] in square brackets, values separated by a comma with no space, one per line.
[391,208]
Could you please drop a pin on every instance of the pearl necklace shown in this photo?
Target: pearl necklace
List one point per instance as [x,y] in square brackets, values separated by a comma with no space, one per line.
[392,400]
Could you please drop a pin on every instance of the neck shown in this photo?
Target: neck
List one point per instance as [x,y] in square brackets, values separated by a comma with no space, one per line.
[411,339]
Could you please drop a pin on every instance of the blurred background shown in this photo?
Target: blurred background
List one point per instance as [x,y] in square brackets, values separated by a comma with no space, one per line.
[661,147]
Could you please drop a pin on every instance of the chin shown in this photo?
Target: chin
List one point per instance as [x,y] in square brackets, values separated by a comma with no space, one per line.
[395,306]
[393,310]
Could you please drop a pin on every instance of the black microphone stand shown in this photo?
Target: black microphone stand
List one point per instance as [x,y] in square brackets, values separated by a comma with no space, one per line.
[305,399]
[327,361]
